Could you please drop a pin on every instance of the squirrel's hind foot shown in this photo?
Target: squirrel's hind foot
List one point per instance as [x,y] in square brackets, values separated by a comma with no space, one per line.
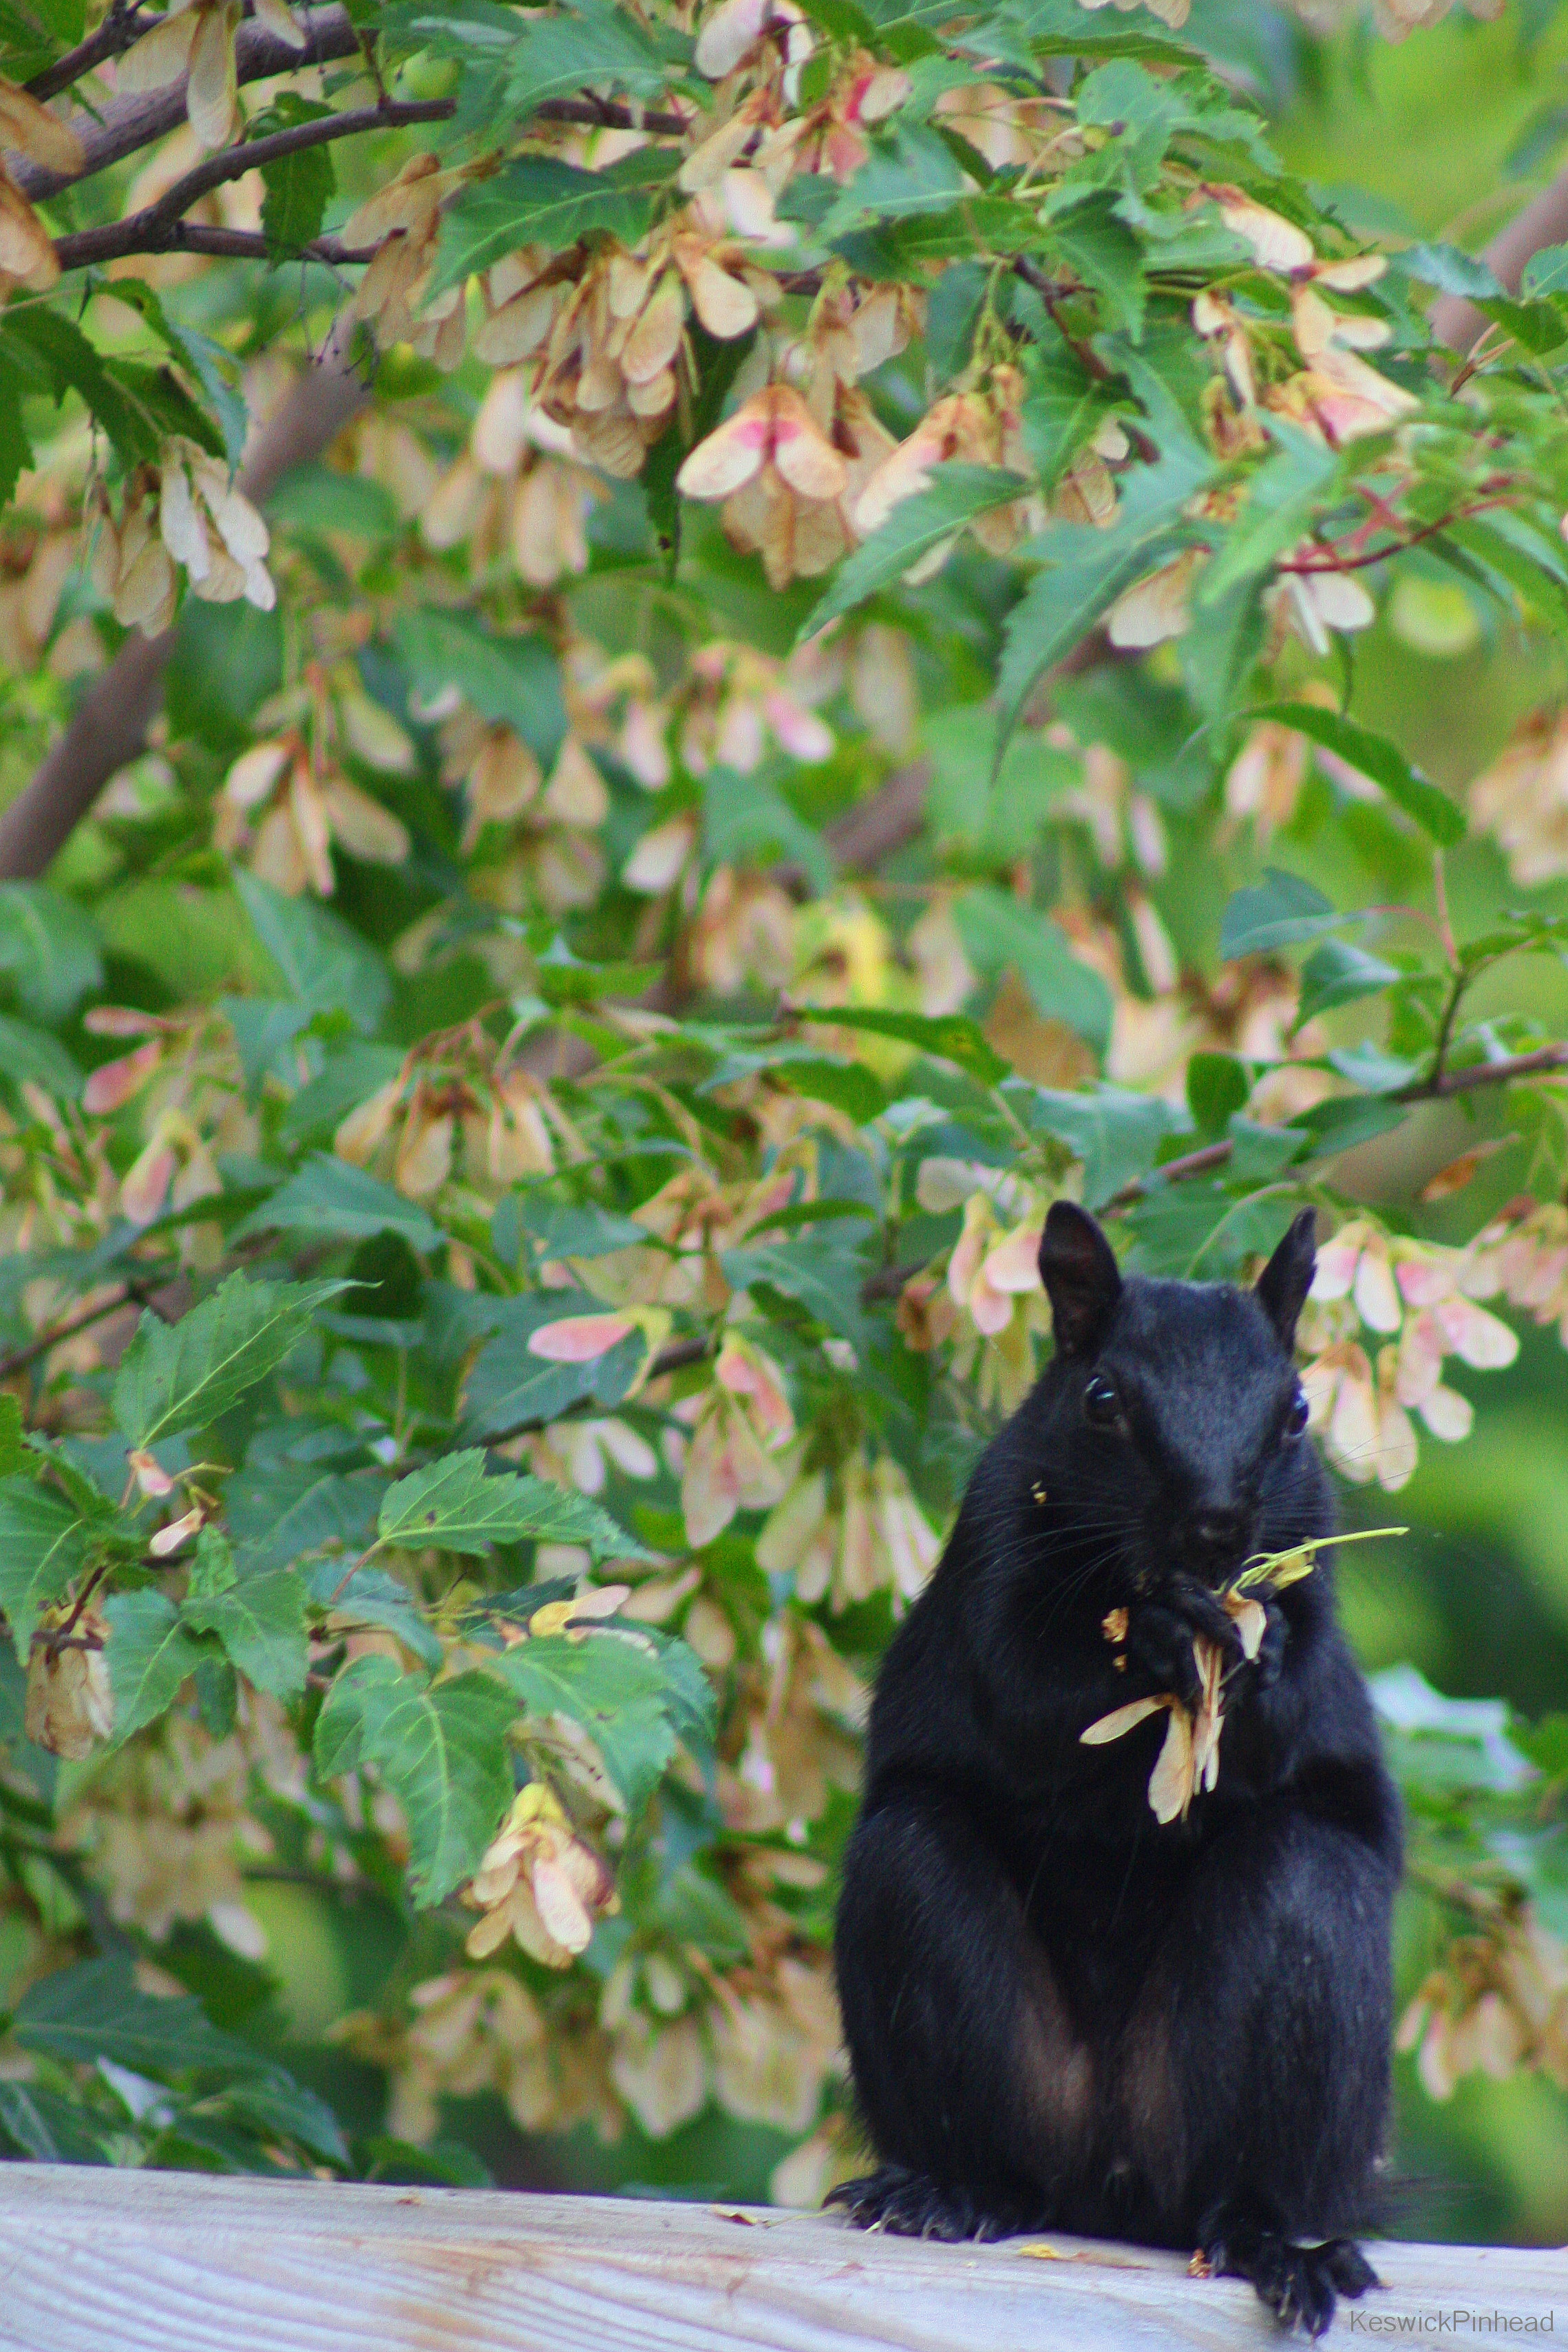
[1299,2284]
[912,2205]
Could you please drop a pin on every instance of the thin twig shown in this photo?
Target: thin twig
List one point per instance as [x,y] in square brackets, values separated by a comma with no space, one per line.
[158,229]
[135,121]
[20,1358]
[1437,1088]
[120,30]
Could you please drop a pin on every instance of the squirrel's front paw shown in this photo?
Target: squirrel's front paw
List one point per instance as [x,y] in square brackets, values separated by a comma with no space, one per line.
[1269,1661]
[1161,1642]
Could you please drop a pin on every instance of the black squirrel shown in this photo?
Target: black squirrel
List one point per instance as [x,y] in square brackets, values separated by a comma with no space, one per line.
[1060,2013]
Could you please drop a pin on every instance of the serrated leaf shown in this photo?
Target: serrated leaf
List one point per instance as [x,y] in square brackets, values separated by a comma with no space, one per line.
[260,1621]
[604,48]
[334,1199]
[1374,756]
[1448,268]
[514,680]
[910,532]
[14,1459]
[909,169]
[300,187]
[26,1052]
[452,1504]
[95,2010]
[510,1388]
[948,1035]
[1116,1133]
[539,200]
[1337,973]
[183,1376]
[1282,497]
[323,962]
[1100,248]
[998,932]
[1277,912]
[149,1655]
[617,1691]
[45,1546]
[1086,570]
[441,1749]
[48,950]
[818,1275]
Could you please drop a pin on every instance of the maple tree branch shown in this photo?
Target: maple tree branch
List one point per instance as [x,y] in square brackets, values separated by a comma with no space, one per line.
[133,123]
[158,227]
[121,28]
[136,122]
[1442,1083]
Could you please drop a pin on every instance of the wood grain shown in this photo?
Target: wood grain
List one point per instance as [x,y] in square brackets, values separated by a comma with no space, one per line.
[143,2261]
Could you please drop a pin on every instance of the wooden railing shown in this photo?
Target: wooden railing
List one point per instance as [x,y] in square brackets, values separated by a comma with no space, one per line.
[106,2260]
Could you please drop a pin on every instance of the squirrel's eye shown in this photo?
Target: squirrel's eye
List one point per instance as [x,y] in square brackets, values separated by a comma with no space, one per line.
[1101,1404]
[1297,1416]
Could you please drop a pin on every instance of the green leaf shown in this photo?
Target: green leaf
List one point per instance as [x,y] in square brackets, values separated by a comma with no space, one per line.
[29,1053]
[509,1389]
[260,1622]
[274,2106]
[332,1199]
[1441,819]
[559,1230]
[1337,973]
[95,2010]
[45,1546]
[949,1036]
[615,1689]
[1098,248]
[540,201]
[514,680]
[149,1655]
[323,962]
[318,499]
[910,532]
[300,186]
[1117,1134]
[185,1375]
[1064,29]
[441,1751]
[1448,268]
[122,399]
[1277,912]
[1282,497]
[49,2128]
[910,168]
[370,1597]
[48,950]
[597,45]
[14,1458]
[848,1086]
[349,1079]
[453,1505]
[16,455]
[1217,1086]
[745,818]
[820,1276]
[1086,570]
[998,932]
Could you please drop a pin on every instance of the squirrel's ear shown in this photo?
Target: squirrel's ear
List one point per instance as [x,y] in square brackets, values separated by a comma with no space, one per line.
[1077,1266]
[1283,1285]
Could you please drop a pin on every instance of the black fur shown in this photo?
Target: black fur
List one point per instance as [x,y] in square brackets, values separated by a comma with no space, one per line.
[1059,2013]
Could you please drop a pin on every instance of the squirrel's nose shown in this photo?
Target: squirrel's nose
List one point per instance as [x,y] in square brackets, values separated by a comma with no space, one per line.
[1215,1536]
